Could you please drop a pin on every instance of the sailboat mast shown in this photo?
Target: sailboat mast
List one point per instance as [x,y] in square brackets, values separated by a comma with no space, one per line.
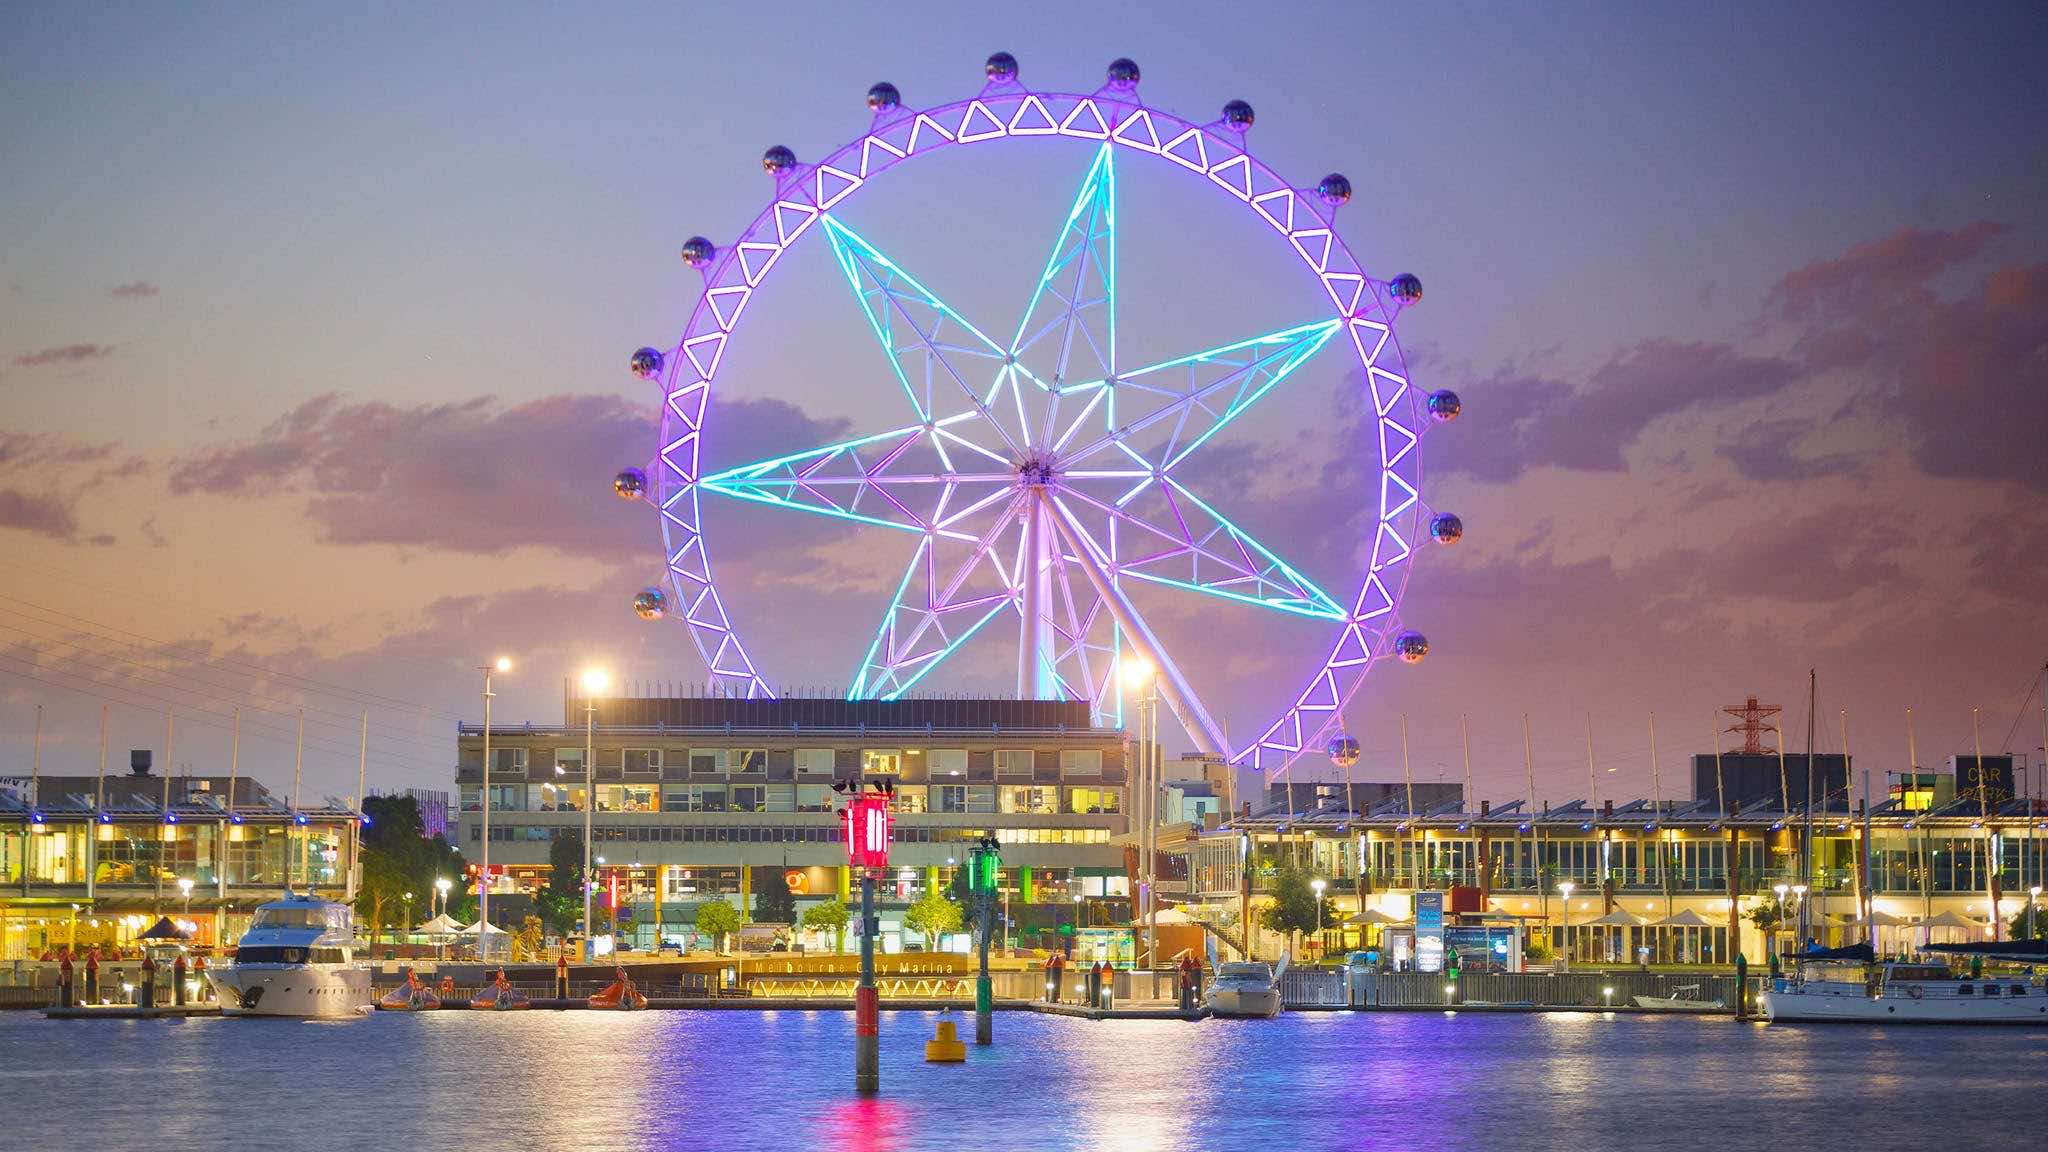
[1806,822]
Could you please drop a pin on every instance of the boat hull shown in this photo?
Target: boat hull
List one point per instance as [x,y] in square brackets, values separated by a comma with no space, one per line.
[1892,1008]
[1261,1004]
[306,992]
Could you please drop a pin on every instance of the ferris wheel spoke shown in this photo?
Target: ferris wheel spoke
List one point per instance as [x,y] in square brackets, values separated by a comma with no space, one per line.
[1184,401]
[936,608]
[1073,306]
[1171,537]
[907,318]
[892,479]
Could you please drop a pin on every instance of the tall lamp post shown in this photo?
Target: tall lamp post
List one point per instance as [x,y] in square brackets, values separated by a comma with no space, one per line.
[867,819]
[1778,923]
[1799,898]
[441,886]
[1140,677]
[1564,889]
[2033,898]
[595,680]
[483,874]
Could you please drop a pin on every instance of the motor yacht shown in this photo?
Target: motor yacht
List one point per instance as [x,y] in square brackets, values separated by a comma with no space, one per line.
[1903,993]
[296,959]
[1245,988]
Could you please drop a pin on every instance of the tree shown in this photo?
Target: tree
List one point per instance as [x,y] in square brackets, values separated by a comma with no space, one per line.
[830,916]
[396,859]
[934,915]
[1294,909]
[717,919]
[561,898]
[2017,930]
[774,903]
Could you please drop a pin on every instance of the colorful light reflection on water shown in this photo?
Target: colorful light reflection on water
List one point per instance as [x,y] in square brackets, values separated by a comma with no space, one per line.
[781,1080]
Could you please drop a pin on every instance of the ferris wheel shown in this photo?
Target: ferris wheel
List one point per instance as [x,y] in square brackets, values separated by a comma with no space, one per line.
[1032,467]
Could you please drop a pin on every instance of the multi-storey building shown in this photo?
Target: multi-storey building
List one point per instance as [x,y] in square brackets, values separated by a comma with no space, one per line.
[694,797]
[87,861]
[1670,882]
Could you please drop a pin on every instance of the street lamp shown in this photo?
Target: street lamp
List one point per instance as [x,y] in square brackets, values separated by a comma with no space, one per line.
[1799,899]
[1141,678]
[595,681]
[1564,889]
[1317,885]
[483,876]
[441,886]
[185,890]
[2033,895]
[1778,922]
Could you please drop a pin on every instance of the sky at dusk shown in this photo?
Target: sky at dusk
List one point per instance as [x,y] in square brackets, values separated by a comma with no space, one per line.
[314,328]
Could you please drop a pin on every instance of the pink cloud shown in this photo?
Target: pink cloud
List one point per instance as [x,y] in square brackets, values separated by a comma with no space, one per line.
[63,354]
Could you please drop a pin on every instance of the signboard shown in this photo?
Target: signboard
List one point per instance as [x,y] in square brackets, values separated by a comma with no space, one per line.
[1429,931]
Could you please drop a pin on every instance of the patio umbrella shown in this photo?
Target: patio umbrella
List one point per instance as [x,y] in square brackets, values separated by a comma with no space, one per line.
[442,925]
[1950,918]
[163,929]
[488,929]
[1166,916]
[1619,918]
[1372,916]
[1685,919]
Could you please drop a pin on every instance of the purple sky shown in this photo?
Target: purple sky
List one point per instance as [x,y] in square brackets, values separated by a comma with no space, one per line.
[314,330]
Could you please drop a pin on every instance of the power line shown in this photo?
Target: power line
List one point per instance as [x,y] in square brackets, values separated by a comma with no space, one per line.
[208,657]
[45,643]
[221,720]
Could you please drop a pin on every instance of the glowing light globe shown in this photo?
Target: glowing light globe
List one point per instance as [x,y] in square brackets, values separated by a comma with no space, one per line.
[1343,751]
[1411,647]
[646,363]
[650,604]
[1445,528]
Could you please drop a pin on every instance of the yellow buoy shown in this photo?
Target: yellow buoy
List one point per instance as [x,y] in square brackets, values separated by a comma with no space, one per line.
[945,1048]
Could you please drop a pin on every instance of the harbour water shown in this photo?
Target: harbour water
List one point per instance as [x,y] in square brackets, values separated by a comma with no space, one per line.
[781,1080]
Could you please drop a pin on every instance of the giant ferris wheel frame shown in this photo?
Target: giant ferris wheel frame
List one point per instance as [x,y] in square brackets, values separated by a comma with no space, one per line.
[1057,494]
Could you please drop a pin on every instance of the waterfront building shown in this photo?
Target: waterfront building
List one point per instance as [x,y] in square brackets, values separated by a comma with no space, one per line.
[433,805]
[697,799]
[86,861]
[1670,882]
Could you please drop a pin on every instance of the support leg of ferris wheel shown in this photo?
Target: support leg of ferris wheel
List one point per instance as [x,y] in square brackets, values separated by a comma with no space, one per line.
[1173,687]
[1034,663]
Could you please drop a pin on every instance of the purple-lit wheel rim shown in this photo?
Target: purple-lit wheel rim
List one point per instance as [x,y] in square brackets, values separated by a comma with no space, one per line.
[1363,309]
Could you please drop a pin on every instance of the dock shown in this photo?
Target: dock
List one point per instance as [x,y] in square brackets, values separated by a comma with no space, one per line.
[129,1011]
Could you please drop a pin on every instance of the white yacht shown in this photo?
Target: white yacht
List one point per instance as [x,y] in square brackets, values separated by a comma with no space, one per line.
[1904,994]
[1245,988]
[296,959]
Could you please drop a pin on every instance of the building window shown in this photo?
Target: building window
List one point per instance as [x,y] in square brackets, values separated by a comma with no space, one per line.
[749,798]
[981,798]
[675,798]
[949,797]
[1014,761]
[1016,798]
[707,798]
[948,763]
[781,797]
[881,761]
[1091,801]
[748,760]
[508,760]
[817,761]
[911,797]
[625,798]
[813,798]
[707,761]
[643,761]
[1081,761]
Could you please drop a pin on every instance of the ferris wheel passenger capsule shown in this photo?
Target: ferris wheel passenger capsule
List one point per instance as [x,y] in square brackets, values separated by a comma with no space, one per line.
[777,160]
[698,251]
[1446,528]
[650,604]
[1411,647]
[1123,73]
[629,484]
[1406,288]
[1001,67]
[1343,751]
[884,97]
[1444,405]
[647,363]
[1238,115]
[1335,189]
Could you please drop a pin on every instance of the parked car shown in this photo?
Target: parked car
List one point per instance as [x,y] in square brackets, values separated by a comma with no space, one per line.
[670,945]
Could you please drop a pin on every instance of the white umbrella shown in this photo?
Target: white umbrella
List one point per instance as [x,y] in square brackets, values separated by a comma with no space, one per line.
[1685,919]
[1950,918]
[1373,916]
[1619,918]
[488,930]
[1166,916]
[442,925]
